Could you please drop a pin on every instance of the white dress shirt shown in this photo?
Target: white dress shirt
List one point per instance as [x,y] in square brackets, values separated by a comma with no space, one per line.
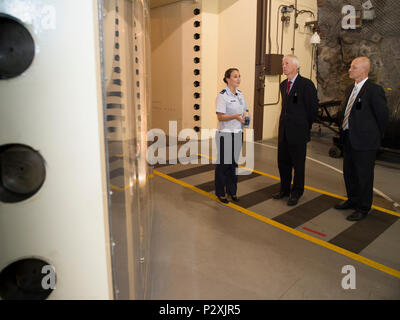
[356,91]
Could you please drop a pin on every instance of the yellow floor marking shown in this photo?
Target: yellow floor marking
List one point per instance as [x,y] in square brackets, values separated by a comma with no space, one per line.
[118,188]
[312,188]
[349,254]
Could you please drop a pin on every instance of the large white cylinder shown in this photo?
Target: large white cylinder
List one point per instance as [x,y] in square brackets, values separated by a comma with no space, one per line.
[56,181]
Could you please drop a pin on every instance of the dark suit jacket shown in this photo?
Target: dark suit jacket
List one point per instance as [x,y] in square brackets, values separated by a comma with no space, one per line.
[368,117]
[299,110]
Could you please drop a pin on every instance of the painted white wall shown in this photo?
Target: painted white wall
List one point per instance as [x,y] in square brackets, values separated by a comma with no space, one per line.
[302,51]
[229,33]
[237,44]
[166,64]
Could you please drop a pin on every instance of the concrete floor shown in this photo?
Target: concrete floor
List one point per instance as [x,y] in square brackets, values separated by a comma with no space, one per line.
[202,249]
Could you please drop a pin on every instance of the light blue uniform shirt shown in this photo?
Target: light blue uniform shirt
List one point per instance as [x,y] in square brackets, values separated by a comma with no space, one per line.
[229,103]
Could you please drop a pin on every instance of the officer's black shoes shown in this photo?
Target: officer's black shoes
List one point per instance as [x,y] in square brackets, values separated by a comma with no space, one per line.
[345,205]
[223,199]
[293,200]
[357,216]
[280,195]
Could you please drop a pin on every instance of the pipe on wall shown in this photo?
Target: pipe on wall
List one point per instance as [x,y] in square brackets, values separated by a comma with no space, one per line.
[264,22]
[269,25]
[259,78]
[294,26]
[280,49]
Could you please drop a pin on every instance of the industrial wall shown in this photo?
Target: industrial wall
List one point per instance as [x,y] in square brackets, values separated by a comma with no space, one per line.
[174,59]
[227,38]
[303,50]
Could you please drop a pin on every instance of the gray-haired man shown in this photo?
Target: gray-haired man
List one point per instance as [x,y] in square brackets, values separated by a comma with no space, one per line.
[299,109]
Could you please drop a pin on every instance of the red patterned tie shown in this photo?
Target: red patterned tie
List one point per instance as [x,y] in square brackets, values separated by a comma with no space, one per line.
[288,88]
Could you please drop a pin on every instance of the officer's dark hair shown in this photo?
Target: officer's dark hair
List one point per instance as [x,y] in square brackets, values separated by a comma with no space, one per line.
[228,73]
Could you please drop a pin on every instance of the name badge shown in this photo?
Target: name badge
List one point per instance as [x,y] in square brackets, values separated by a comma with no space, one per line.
[358,104]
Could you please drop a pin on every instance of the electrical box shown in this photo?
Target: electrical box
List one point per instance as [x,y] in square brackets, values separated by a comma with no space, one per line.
[273,64]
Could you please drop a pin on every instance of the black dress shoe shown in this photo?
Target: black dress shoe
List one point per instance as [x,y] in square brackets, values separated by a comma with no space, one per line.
[357,216]
[345,205]
[293,200]
[234,198]
[280,195]
[223,200]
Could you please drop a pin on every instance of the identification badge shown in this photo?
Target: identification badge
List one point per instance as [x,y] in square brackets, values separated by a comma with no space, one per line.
[358,104]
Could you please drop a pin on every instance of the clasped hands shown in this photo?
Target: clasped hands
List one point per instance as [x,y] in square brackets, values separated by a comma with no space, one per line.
[239,117]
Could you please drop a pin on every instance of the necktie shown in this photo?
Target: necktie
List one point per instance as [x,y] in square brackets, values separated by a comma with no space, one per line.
[288,88]
[348,110]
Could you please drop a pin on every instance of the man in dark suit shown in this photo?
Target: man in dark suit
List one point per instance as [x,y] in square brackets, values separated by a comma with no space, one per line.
[364,117]
[299,109]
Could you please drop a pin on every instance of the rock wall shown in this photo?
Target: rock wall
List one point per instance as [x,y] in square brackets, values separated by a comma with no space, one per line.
[378,39]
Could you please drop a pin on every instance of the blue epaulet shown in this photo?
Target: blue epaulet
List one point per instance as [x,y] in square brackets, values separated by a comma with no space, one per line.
[223,91]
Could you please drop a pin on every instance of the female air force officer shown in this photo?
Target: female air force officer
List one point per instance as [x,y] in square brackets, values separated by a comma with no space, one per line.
[231,107]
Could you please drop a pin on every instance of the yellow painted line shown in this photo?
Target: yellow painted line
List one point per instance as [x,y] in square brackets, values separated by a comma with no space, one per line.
[313,189]
[186,185]
[384,210]
[349,254]
[118,188]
